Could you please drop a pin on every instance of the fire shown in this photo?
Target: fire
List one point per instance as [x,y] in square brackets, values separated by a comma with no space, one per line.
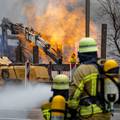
[28,47]
[62,24]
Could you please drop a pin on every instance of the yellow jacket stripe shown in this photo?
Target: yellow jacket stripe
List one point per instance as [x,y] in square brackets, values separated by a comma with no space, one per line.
[93,78]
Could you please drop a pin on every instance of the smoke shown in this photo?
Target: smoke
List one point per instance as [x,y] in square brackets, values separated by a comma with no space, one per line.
[14,9]
[21,98]
[11,9]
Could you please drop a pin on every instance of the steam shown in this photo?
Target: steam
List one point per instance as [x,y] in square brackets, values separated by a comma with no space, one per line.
[21,98]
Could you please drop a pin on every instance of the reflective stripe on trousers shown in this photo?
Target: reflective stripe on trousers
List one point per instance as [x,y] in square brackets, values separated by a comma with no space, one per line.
[97,116]
[89,110]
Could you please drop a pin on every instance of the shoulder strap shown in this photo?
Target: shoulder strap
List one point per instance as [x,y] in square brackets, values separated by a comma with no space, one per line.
[100,87]
[113,80]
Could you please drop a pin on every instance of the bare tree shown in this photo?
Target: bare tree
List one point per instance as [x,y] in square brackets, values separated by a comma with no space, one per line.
[110,10]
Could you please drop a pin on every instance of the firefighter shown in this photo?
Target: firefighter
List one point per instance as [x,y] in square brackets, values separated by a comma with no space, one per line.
[83,98]
[60,86]
[111,66]
[111,83]
[73,59]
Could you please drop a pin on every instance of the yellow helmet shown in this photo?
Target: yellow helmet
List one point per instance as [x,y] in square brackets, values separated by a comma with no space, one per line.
[87,44]
[110,64]
[60,82]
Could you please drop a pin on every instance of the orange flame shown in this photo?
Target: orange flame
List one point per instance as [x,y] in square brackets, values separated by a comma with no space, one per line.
[62,24]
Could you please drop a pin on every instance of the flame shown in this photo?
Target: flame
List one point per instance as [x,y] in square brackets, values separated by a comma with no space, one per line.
[62,24]
[28,47]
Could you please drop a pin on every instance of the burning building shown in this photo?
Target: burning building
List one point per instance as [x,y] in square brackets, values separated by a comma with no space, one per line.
[62,24]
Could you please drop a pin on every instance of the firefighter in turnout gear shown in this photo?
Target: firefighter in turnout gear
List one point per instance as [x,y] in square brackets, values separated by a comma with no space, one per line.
[83,100]
[111,83]
[111,66]
[73,59]
[60,87]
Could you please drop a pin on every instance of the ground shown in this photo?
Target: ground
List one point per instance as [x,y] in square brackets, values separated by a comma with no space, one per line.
[34,115]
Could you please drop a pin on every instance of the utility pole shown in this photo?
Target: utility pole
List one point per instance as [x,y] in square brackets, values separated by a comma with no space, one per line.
[87,18]
[103,41]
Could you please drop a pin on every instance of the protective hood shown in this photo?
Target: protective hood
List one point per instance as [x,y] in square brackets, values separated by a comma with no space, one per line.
[87,58]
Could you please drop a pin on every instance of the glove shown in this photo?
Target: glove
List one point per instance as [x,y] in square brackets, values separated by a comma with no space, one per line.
[73,103]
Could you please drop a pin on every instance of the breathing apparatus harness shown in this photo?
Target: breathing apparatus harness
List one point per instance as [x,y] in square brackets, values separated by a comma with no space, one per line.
[99,99]
[87,101]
